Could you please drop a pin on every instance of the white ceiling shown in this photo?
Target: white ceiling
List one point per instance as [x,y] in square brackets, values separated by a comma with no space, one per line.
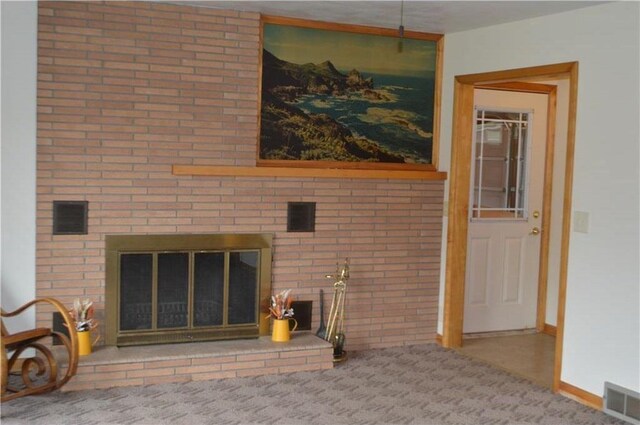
[428,16]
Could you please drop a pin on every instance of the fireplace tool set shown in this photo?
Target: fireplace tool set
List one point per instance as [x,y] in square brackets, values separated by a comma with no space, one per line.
[334,331]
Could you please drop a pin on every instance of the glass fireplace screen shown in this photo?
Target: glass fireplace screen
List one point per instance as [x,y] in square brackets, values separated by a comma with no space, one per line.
[159,296]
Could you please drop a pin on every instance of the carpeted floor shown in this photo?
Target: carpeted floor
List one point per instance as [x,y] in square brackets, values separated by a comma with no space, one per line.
[423,384]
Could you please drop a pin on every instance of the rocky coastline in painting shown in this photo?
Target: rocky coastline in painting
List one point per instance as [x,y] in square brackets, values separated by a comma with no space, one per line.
[295,127]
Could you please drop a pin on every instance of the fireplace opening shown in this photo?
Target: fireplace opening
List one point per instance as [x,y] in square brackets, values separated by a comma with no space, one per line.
[182,288]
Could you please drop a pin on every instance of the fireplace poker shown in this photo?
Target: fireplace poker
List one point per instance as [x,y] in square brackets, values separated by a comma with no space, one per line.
[322,330]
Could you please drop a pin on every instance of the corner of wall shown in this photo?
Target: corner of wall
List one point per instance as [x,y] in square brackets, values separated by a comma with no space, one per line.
[18,157]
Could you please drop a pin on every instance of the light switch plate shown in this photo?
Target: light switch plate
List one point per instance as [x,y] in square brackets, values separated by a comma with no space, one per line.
[445,208]
[581,221]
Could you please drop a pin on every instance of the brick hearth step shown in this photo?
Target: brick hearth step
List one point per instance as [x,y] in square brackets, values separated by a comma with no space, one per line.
[158,364]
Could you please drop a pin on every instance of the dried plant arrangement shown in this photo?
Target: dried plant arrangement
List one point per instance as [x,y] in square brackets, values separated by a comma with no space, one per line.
[281,305]
[82,314]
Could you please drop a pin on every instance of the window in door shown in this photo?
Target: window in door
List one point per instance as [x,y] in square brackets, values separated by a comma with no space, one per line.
[501,151]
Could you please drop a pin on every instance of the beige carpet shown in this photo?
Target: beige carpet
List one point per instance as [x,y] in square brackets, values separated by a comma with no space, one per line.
[423,384]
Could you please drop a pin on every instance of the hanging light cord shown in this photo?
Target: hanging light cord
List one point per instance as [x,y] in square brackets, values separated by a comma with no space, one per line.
[401,27]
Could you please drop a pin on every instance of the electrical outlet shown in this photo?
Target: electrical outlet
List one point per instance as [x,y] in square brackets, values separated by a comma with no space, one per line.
[581,221]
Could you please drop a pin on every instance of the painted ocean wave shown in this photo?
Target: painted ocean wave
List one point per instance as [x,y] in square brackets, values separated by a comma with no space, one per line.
[398,117]
[399,121]
[316,112]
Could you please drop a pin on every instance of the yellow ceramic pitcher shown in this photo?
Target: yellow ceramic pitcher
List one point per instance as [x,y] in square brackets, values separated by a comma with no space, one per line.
[281,331]
[84,343]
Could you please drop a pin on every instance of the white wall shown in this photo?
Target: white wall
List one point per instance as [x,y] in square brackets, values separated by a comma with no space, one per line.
[602,322]
[18,159]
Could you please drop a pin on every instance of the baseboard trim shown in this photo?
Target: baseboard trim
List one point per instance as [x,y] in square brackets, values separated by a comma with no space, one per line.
[549,329]
[439,339]
[580,395]
[492,334]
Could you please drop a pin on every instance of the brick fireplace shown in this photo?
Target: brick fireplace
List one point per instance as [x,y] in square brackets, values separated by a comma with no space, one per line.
[127,89]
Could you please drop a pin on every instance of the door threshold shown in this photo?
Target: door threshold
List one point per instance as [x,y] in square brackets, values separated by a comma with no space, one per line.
[499,333]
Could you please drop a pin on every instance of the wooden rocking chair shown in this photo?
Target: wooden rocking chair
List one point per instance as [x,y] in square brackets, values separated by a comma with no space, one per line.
[39,373]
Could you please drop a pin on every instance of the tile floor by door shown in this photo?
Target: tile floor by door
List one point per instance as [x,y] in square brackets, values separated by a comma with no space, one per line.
[530,356]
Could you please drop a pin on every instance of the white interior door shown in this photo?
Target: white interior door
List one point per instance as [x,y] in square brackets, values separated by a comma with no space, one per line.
[503,250]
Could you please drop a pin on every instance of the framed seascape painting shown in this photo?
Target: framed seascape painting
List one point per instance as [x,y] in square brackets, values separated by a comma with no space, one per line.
[344,96]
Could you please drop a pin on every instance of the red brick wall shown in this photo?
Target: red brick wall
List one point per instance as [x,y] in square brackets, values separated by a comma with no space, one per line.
[127,89]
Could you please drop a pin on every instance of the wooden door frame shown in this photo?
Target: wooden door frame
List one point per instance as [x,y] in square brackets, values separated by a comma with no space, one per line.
[461,148]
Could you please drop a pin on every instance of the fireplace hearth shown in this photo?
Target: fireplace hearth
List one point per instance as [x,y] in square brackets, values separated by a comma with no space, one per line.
[183,288]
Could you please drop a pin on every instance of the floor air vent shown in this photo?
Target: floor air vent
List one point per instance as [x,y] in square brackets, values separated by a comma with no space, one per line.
[622,403]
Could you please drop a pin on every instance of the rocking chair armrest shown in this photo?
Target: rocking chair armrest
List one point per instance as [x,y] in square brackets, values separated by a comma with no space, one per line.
[14,339]
[57,304]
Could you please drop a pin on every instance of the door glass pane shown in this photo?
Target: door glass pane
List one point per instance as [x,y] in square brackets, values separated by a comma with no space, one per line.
[135,291]
[173,290]
[243,277]
[500,157]
[208,288]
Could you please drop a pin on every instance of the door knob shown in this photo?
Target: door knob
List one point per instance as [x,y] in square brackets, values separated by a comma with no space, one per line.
[535,231]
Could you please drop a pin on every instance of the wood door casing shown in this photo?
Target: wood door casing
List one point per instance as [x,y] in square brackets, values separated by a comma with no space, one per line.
[459,187]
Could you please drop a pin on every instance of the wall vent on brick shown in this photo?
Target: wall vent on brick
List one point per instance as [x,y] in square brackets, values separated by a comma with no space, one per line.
[302,311]
[70,217]
[59,326]
[301,217]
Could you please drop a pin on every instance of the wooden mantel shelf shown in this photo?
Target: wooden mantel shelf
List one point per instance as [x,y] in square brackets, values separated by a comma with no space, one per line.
[213,170]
